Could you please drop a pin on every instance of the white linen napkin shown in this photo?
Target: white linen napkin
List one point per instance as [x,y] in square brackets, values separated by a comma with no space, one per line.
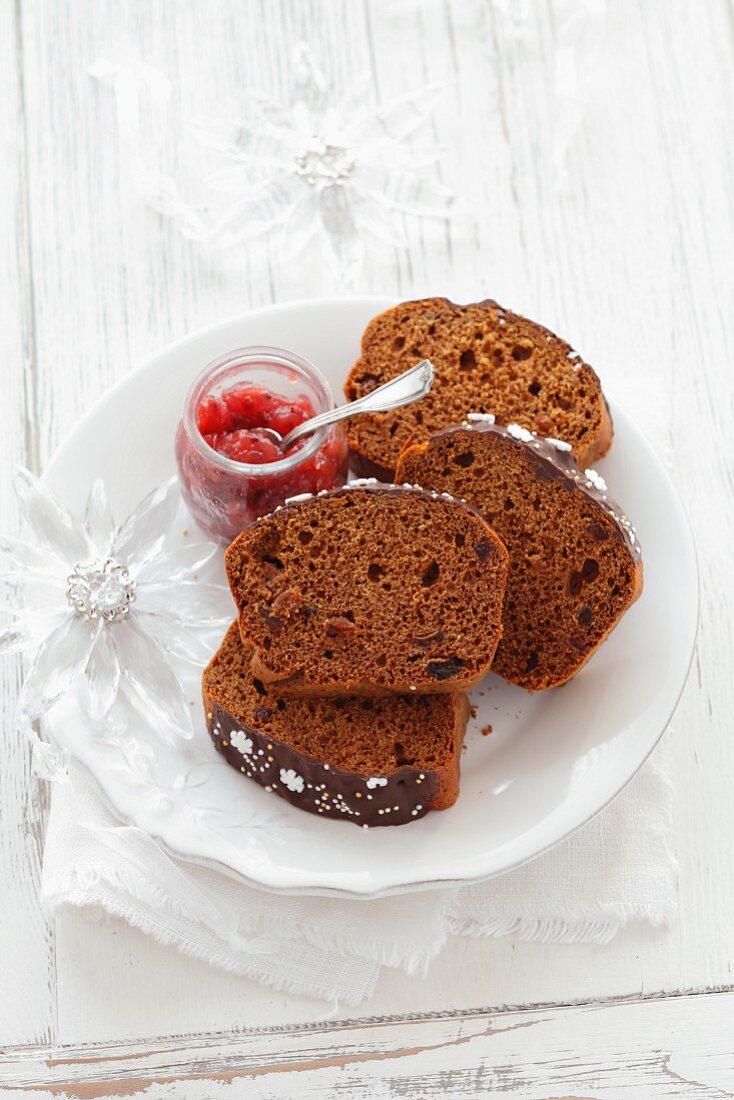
[620,867]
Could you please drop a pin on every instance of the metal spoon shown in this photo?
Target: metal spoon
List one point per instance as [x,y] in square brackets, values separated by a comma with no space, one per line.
[410,386]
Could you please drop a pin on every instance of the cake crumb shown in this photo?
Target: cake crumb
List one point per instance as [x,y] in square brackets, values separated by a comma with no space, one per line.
[473,711]
[486,730]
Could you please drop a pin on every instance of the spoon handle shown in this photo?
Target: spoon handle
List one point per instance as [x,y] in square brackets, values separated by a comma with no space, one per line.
[410,386]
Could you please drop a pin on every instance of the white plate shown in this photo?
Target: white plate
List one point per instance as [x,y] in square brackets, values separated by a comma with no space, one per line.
[553,760]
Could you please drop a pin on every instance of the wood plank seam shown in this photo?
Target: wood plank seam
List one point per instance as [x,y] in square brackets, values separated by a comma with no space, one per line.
[58,1054]
[632,1054]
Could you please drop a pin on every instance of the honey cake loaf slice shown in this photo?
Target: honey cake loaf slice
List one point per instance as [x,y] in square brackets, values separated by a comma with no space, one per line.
[369,589]
[487,359]
[575,562]
[369,761]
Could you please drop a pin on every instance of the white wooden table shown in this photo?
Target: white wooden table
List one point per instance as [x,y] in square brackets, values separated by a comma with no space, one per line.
[630,256]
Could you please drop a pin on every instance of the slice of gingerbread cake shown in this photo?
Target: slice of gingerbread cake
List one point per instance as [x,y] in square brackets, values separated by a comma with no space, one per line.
[373,762]
[575,562]
[369,590]
[487,359]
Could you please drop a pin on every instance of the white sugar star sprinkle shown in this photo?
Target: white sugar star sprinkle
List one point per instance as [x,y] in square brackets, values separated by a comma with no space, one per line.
[292,780]
[596,480]
[520,433]
[241,742]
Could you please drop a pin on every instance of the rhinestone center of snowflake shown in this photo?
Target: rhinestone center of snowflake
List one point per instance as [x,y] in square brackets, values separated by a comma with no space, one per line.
[101,589]
[324,165]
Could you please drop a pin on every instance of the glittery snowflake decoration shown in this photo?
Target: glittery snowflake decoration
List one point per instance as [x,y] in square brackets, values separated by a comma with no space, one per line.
[317,164]
[114,603]
[578,39]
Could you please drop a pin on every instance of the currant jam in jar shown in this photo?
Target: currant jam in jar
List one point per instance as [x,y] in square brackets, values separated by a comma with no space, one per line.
[229,465]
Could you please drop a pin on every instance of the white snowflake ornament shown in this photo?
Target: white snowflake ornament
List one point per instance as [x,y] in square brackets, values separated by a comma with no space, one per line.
[111,602]
[318,164]
[341,166]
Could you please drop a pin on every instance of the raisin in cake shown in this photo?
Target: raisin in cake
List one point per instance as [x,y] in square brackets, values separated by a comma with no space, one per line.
[368,761]
[368,590]
[487,359]
[575,562]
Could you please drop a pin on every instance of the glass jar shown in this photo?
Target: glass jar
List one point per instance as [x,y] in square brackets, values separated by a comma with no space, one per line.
[224,494]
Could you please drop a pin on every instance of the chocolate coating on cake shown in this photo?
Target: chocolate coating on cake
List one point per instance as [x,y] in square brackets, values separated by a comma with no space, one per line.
[369,484]
[308,784]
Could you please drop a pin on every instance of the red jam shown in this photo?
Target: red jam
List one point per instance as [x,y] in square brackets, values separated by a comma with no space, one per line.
[232,423]
[231,469]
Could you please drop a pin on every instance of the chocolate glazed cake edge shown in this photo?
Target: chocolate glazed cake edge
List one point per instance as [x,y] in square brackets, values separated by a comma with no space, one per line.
[319,788]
